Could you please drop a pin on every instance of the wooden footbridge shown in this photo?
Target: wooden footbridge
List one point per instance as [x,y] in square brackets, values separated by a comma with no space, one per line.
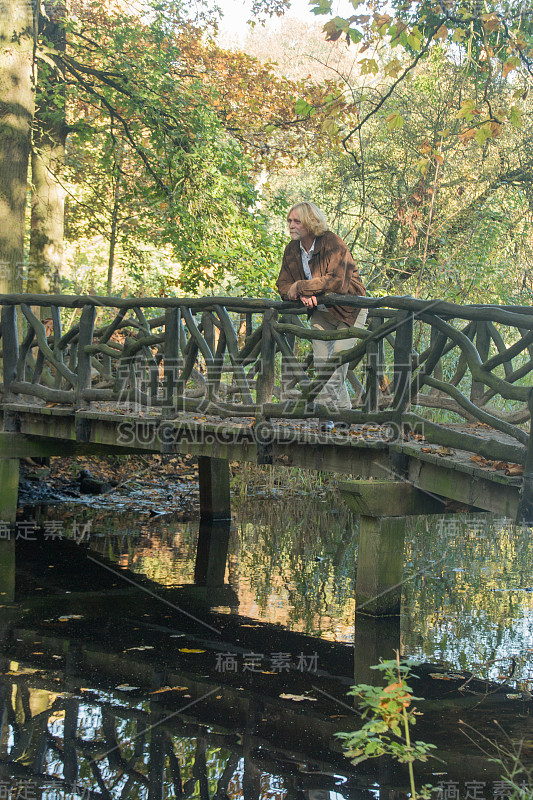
[440,413]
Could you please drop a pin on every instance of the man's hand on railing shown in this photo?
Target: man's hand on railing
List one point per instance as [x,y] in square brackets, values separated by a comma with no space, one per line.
[309,302]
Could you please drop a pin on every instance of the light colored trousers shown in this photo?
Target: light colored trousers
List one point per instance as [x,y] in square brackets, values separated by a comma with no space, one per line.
[334,394]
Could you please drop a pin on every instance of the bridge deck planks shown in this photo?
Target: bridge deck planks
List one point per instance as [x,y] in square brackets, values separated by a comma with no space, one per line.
[362,453]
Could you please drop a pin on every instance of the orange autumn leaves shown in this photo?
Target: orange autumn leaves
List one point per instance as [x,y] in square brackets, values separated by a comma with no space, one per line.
[258,107]
[394,696]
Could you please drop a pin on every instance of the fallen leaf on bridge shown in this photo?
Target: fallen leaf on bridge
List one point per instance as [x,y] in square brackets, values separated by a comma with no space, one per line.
[509,469]
[514,469]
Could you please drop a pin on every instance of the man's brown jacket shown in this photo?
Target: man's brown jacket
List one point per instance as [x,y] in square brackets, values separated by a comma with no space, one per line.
[332,268]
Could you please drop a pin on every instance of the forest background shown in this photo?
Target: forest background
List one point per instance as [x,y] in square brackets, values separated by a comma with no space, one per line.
[143,154]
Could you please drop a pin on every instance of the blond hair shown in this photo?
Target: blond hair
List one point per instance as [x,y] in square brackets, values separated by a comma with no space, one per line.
[311,217]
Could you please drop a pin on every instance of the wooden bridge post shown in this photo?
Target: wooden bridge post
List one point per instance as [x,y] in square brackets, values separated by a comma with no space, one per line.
[265,378]
[213,476]
[483,348]
[84,359]
[9,487]
[525,503]
[10,348]
[403,352]
[378,584]
[171,356]
[374,368]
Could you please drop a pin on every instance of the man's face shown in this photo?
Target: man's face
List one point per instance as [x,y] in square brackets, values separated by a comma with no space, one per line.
[297,229]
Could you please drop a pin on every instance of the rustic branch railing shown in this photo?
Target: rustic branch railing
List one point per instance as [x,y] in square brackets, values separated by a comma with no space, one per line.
[242,357]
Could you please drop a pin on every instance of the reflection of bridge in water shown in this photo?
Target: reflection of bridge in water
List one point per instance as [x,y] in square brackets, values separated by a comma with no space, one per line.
[192,728]
[231,379]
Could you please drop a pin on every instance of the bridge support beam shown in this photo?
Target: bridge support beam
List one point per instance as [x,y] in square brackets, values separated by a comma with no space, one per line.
[378,584]
[383,507]
[9,487]
[213,475]
[374,498]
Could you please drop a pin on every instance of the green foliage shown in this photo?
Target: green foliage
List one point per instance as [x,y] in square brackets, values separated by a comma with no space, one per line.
[427,214]
[390,714]
[159,185]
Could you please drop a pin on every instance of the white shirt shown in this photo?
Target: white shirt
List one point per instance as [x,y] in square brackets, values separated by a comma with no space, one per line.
[306,258]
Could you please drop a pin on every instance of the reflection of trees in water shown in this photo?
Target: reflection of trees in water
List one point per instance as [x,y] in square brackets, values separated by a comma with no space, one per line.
[294,563]
[102,750]
[161,549]
[467,609]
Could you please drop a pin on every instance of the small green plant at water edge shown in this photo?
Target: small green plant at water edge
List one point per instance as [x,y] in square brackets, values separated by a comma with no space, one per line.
[390,715]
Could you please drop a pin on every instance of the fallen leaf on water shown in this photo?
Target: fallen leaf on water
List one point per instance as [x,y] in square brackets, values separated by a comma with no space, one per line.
[296,697]
[190,650]
[70,616]
[140,647]
[450,676]
[170,689]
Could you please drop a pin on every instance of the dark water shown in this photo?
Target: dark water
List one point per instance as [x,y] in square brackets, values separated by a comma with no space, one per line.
[139,661]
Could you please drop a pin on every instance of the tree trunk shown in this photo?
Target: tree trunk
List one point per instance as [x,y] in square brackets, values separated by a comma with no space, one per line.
[47,163]
[17,105]
[113,238]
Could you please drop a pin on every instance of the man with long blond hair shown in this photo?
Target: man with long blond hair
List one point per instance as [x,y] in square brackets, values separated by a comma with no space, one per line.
[317,262]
